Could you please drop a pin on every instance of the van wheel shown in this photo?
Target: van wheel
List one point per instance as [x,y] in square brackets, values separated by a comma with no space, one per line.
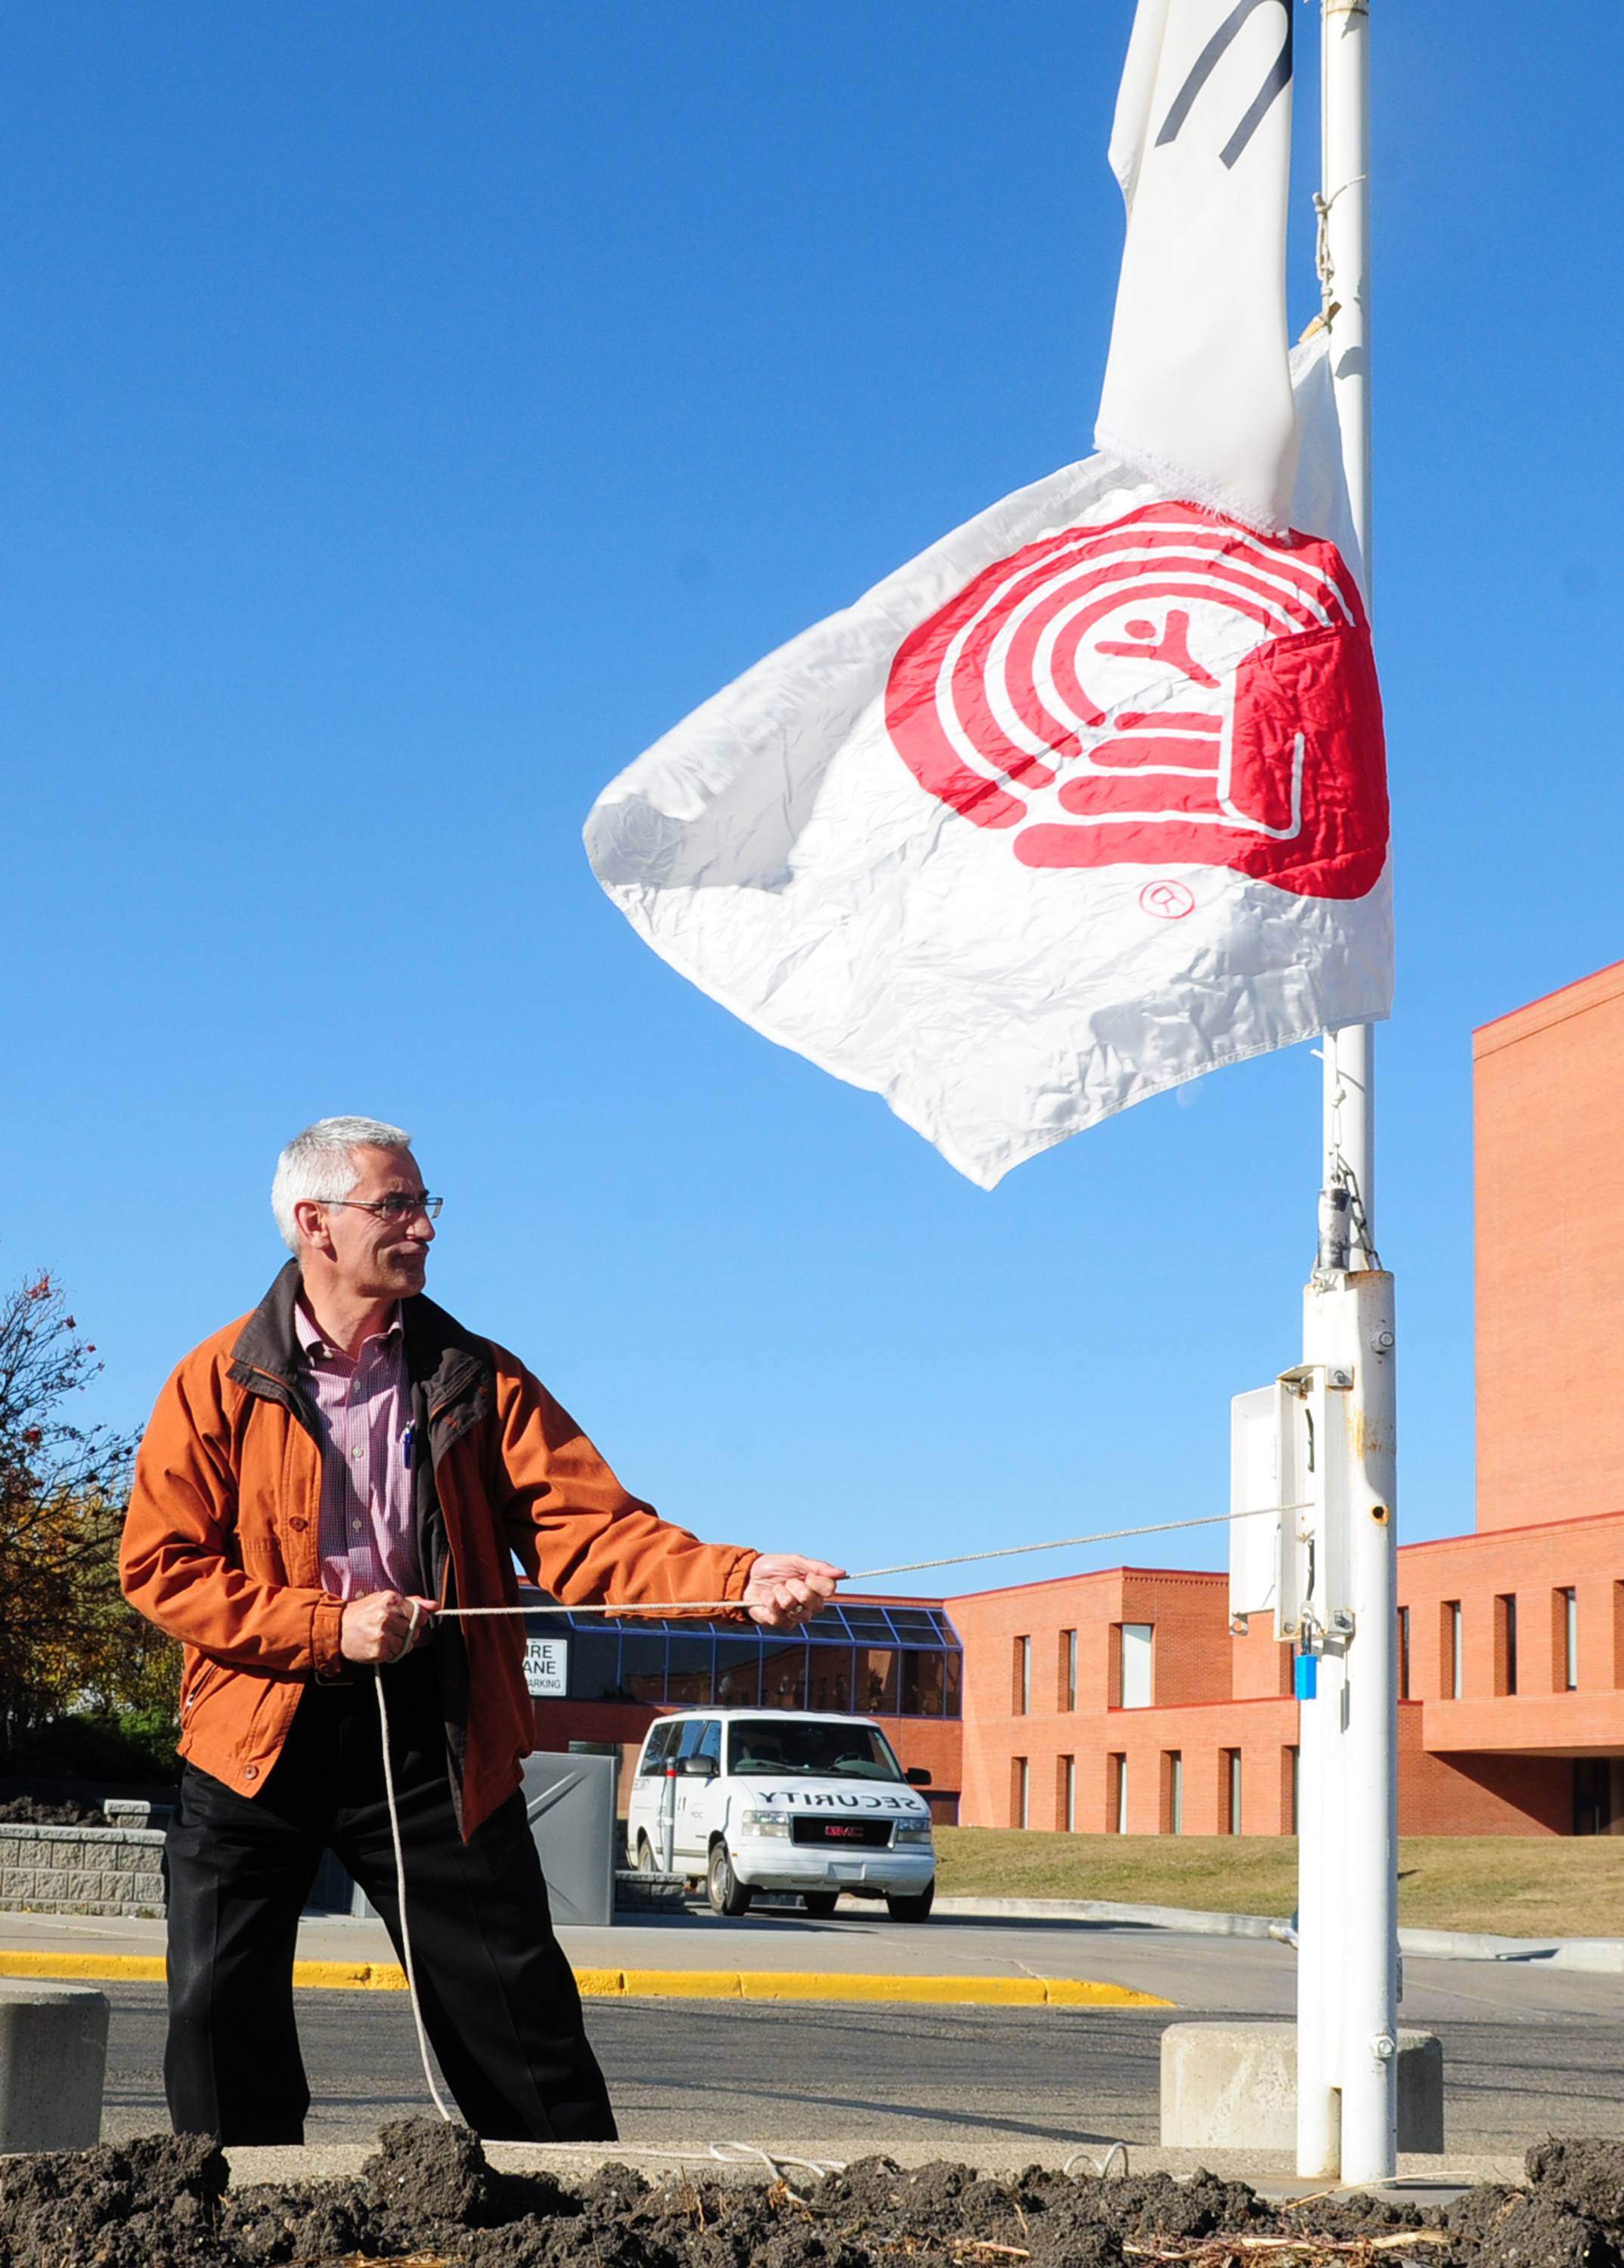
[915,1908]
[646,1856]
[728,1893]
[821,1903]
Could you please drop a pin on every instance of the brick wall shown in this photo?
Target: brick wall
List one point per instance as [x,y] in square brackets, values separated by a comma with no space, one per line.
[1487,1732]
[1493,1762]
[1548,1081]
[87,1870]
[1209,1694]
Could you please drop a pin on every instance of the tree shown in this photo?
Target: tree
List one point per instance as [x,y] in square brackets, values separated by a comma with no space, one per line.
[69,1645]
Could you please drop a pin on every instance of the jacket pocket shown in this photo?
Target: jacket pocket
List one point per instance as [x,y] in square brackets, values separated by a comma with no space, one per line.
[209,1675]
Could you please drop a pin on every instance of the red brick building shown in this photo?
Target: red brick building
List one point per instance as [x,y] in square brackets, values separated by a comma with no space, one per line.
[1119,1702]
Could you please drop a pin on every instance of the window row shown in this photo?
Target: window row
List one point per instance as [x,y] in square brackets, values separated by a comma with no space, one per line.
[674,1669]
[1169,1792]
[1506,1663]
[1128,1679]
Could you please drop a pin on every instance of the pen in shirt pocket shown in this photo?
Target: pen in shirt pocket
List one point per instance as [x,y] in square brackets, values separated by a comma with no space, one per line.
[406,1447]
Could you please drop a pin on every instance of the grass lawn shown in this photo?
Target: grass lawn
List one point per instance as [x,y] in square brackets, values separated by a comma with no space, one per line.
[1517,1885]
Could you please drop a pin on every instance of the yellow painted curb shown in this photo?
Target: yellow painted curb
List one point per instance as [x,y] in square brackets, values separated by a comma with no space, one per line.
[657,1983]
[351,1975]
[93,1967]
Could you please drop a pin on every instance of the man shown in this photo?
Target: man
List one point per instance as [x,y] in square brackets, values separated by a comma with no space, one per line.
[319,1480]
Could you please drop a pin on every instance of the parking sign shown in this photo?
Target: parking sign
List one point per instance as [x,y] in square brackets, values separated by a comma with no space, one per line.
[547,1667]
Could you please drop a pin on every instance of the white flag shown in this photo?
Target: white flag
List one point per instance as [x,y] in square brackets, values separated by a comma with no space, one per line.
[1085,800]
[1196,394]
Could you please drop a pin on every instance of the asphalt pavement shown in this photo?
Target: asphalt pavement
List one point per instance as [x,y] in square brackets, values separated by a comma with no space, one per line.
[1529,2049]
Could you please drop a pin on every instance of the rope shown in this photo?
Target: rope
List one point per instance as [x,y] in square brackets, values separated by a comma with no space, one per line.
[707,1605]
[868,1574]
[400,1894]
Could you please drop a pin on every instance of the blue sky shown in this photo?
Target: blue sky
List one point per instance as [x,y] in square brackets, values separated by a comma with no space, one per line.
[410,411]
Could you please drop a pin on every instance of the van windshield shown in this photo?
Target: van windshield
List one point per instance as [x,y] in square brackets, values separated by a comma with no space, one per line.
[771,1747]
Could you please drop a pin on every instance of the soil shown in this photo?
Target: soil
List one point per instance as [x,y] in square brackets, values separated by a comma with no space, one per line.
[430,2198]
[28,1811]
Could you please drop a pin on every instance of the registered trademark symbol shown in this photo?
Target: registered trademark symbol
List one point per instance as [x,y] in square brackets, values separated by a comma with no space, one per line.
[1166,900]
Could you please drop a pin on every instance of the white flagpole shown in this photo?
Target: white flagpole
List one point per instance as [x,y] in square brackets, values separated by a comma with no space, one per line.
[1348,1988]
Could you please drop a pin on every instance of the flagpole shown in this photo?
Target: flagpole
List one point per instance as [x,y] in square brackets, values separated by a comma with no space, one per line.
[1347,1997]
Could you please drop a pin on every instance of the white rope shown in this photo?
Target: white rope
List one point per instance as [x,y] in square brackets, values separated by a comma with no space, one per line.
[698,1606]
[676,1606]
[400,1894]
[1100,2168]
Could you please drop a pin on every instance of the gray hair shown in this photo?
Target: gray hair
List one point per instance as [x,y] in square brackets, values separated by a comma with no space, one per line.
[318,1167]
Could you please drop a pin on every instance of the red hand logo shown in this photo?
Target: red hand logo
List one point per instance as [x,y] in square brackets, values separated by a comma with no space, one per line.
[1166,688]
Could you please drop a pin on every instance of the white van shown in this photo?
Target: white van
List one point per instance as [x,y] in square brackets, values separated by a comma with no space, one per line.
[783,1799]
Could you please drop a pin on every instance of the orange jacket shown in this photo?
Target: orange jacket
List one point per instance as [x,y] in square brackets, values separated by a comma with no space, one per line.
[221,1545]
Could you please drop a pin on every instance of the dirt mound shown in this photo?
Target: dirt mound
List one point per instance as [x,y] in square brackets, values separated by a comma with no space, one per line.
[430,2196]
[29,1811]
[124,2205]
[1587,2177]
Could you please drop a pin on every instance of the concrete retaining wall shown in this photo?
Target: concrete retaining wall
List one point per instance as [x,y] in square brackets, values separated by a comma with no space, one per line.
[85,1870]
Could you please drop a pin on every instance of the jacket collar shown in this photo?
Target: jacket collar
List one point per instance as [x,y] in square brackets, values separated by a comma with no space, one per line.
[447,1361]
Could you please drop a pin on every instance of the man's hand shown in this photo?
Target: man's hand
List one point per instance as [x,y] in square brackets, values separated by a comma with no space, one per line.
[383,1626]
[784,1589]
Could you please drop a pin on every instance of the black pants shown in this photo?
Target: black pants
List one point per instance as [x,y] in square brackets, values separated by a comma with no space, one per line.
[497,1996]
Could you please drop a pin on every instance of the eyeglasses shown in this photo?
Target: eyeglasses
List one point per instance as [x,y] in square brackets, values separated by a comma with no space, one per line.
[395,1207]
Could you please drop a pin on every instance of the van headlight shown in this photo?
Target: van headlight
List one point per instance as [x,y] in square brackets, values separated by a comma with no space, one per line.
[766,1823]
[912,1838]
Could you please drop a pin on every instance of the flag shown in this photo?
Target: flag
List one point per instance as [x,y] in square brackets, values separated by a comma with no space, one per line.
[1085,800]
[1197,394]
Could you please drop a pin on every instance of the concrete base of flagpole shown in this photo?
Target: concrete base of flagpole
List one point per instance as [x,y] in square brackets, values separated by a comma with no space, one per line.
[1234,2086]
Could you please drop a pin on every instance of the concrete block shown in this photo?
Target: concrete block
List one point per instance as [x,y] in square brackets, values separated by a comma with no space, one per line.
[53,2063]
[1234,2086]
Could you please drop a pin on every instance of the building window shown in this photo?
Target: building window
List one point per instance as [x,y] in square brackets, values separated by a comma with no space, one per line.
[830,1685]
[690,1664]
[1021,1699]
[924,1684]
[594,1661]
[1231,1762]
[1505,1642]
[1452,1648]
[687,1672]
[1066,1795]
[1068,1669]
[875,1690]
[1172,1820]
[1289,1758]
[1134,1678]
[1404,1654]
[1594,1812]
[1019,1777]
[784,1673]
[738,1672]
[1565,1640]
[643,1666]
[1116,1786]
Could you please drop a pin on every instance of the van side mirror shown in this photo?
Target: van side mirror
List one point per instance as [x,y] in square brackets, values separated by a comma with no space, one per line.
[697,1767]
[917,1776]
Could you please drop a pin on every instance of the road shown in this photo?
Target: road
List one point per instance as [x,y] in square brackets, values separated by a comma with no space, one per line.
[1528,2051]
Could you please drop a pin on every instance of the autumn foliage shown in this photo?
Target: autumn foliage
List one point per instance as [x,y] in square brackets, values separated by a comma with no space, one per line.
[69,1645]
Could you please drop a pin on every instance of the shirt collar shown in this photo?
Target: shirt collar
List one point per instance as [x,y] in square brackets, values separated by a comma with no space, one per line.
[318,1349]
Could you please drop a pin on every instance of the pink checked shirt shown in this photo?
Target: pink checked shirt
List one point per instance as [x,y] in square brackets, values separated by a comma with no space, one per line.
[363,1413]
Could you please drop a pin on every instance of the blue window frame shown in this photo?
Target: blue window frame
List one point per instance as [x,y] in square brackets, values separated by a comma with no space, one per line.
[854,1655]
